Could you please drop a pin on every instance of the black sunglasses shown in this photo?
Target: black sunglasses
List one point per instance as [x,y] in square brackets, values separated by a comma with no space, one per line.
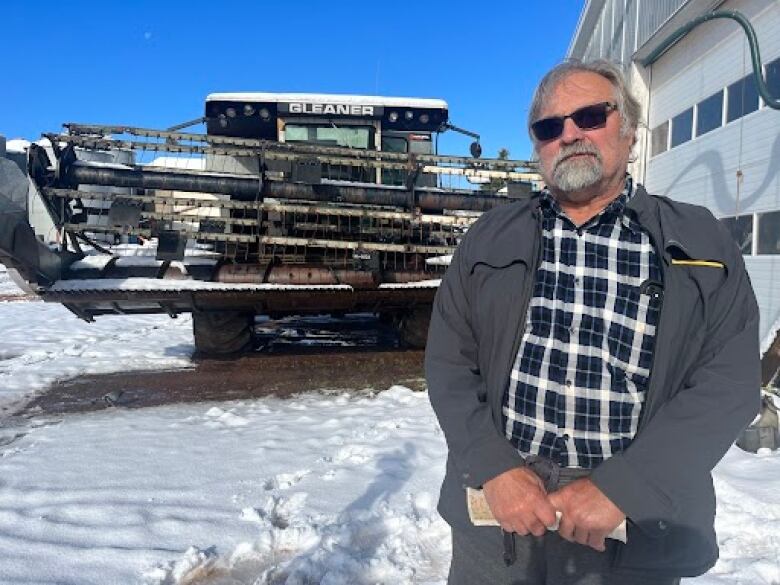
[586,118]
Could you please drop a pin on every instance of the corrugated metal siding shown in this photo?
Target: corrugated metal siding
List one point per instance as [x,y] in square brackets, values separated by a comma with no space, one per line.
[606,28]
[710,57]
[608,40]
[630,27]
[707,60]
[653,13]
[704,170]
[616,36]
[596,46]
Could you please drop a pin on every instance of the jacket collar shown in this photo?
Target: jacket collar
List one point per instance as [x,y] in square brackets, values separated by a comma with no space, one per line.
[510,233]
[550,207]
[678,230]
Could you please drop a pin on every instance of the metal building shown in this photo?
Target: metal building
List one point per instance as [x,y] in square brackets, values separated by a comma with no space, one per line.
[708,138]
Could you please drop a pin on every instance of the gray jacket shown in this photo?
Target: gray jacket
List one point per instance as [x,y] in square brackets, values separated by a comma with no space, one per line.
[704,384]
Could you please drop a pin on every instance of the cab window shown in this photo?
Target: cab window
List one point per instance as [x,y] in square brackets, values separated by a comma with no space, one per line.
[328,135]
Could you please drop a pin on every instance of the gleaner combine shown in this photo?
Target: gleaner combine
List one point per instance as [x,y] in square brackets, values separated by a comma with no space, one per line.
[289,204]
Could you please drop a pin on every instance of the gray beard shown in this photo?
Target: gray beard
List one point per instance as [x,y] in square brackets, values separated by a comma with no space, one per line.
[575,174]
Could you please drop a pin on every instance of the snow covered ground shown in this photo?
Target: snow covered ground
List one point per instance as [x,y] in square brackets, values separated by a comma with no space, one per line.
[44,342]
[320,488]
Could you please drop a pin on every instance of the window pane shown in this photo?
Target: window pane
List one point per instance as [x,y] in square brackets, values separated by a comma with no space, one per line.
[296,133]
[659,138]
[393,144]
[350,137]
[769,233]
[743,98]
[750,102]
[345,136]
[421,145]
[735,101]
[773,78]
[741,229]
[709,113]
[682,126]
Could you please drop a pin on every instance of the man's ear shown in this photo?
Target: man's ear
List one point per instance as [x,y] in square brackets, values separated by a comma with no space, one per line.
[632,155]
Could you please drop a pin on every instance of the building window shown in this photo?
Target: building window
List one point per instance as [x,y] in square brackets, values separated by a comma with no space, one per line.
[682,126]
[741,229]
[709,113]
[743,98]
[769,233]
[773,78]
[659,139]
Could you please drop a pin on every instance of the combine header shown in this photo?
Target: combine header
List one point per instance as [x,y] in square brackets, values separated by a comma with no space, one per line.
[289,204]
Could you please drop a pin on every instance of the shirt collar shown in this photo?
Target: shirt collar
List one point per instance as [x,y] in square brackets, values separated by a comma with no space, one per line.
[616,208]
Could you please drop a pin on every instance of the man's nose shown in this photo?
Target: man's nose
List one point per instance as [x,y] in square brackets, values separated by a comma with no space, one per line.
[571,132]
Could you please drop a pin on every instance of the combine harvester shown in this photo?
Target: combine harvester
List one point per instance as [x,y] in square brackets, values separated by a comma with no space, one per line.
[290,204]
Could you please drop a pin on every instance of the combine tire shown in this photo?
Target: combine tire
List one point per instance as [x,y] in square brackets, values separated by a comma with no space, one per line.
[413,327]
[222,332]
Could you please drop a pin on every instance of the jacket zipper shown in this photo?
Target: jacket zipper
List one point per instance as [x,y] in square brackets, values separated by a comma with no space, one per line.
[650,395]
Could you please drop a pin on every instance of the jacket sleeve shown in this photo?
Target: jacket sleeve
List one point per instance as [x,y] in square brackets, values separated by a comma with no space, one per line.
[457,388]
[691,432]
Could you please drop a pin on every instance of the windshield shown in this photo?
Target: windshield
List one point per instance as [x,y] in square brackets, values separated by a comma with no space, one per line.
[345,136]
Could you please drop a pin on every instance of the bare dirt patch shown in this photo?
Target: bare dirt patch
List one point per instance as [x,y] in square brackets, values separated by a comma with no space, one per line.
[293,356]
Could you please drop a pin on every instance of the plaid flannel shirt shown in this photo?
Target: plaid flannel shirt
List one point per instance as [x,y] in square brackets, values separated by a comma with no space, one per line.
[578,383]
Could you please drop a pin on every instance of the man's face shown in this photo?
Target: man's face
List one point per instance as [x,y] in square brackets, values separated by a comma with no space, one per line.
[579,160]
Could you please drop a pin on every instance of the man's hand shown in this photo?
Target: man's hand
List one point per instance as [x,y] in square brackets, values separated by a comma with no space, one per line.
[519,502]
[588,516]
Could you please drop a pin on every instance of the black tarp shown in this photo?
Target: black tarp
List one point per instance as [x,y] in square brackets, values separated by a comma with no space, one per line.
[19,248]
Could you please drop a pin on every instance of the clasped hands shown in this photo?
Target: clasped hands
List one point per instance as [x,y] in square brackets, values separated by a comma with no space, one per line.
[520,503]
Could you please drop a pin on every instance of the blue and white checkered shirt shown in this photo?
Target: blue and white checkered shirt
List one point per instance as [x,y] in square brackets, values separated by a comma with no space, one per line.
[579,380]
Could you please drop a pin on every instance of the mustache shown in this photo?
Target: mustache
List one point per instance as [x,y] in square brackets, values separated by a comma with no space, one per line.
[576,148]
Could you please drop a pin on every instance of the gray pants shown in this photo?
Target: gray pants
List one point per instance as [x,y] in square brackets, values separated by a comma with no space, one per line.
[477,552]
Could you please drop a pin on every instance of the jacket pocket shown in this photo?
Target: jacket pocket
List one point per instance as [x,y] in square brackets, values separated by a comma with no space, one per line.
[496,297]
[707,274]
[494,289]
[686,547]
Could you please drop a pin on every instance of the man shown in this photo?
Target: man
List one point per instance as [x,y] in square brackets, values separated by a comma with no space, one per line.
[593,352]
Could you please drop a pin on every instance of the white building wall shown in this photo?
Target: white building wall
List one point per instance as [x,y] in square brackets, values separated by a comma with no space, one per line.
[734,169]
[709,58]
[765,276]
[624,25]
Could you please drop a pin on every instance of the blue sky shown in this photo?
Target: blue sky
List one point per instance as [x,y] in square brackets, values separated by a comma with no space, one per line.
[151,64]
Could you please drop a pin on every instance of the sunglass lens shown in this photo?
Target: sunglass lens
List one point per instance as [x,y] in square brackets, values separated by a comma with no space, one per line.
[590,116]
[548,128]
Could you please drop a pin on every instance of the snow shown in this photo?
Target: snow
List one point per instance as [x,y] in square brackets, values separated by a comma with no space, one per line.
[102,165]
[440,260]
[316,489]
[769,338]
[317,98]
[100,261]
[432,283]
[17,145]
[329,488]
[7,286]
[189,163]
[44,342]
[169,284]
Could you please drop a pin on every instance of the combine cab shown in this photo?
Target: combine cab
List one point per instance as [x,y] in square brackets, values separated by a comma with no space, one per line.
[290,204]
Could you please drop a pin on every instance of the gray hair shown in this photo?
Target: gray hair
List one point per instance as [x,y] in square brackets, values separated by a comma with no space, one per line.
[627,104]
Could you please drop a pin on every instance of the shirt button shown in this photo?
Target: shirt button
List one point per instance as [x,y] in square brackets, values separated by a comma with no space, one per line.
[565,436]
[568,382]
[662,525]
[577,280]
